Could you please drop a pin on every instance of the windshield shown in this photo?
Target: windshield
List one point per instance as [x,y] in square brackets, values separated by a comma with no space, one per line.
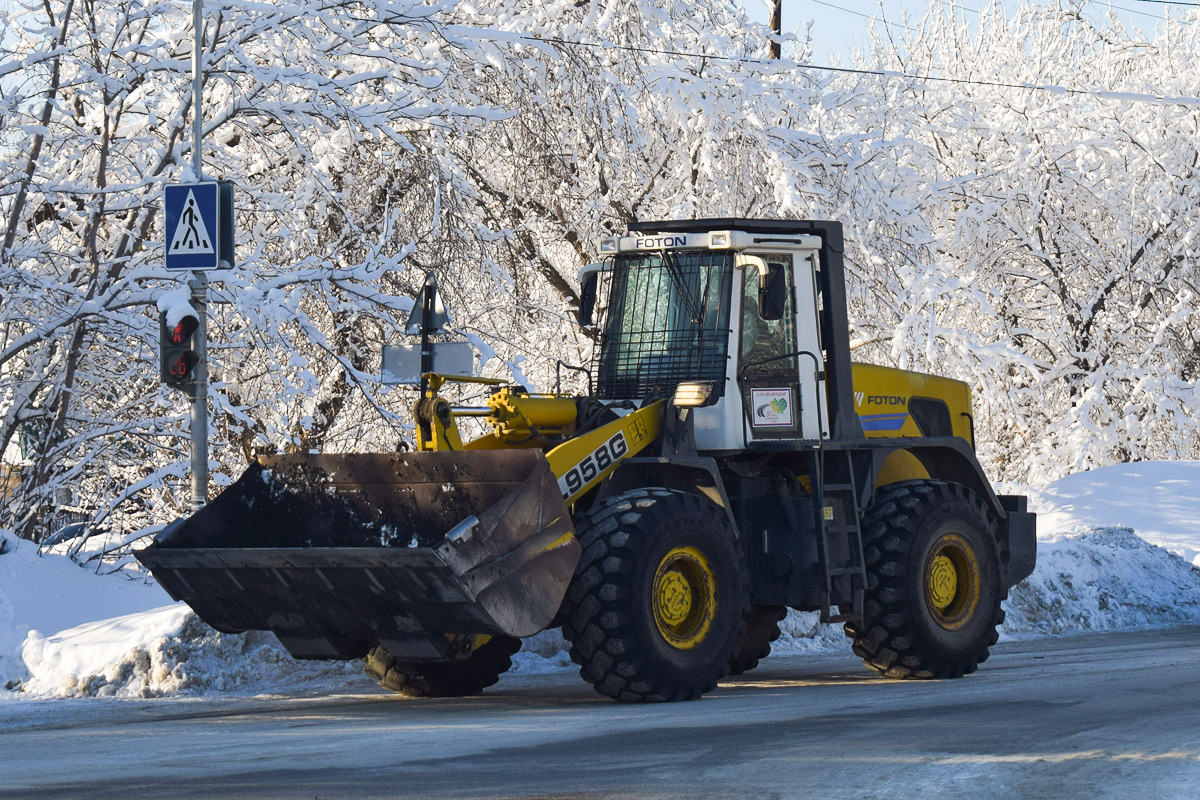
[667,322]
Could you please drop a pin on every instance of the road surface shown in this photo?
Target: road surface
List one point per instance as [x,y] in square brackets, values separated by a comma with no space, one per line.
[1096,716]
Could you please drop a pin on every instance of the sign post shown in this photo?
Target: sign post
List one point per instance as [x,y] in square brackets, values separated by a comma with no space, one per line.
[408,364]
[199,283]
[197,87]
[199,237]
[199,414]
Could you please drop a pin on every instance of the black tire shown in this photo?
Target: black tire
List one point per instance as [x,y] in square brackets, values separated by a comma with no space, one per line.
[762,628]
[657,605]
[933,593]
[444,678]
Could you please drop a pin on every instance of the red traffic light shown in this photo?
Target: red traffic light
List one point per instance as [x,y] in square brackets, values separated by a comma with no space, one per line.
[181,334]
[178,358]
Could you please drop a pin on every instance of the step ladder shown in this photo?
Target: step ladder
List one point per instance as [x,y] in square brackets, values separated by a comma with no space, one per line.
[839,537]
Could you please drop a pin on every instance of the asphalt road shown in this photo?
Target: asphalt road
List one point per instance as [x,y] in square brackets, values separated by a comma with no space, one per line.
[1097,716]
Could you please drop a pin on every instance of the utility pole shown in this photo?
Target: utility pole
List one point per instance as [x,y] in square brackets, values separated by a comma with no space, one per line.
[776,27]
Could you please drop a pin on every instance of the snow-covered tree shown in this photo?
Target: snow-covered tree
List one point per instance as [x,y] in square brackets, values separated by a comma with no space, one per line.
[327,116]
[1037,242]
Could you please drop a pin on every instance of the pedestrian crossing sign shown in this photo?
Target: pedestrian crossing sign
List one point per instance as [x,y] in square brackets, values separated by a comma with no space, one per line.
[199,225]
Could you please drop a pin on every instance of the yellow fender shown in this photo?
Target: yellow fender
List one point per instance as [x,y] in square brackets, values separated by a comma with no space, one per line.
[882,398]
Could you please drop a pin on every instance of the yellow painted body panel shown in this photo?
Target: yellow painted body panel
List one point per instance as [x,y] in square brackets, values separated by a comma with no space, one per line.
[881,398]
[901,466]
[882,395]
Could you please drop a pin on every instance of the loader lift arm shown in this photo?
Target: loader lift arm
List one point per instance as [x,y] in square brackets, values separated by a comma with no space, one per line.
[520,419]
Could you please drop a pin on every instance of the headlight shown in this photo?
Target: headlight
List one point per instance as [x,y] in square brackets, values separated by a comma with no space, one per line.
[696,394]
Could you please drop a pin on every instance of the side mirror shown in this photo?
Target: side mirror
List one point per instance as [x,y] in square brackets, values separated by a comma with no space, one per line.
[587,298]
[772,293]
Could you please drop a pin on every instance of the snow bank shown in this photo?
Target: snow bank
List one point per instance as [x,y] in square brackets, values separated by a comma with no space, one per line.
[544,652]
[1097,579]
[53,593]
[103,658]
[1094,573]
[1158,499]
[166,651]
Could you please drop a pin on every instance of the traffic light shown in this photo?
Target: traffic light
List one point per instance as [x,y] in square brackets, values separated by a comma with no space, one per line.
[177,348]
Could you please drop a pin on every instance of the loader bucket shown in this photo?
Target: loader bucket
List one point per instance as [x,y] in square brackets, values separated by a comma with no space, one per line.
[338,553]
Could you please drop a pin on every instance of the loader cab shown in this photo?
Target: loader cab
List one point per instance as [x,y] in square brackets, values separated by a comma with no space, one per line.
[730,309]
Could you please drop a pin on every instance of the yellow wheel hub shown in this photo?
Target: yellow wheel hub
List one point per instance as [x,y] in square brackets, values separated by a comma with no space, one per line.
[674,598]
[943,582]
[684,595]
[952,581]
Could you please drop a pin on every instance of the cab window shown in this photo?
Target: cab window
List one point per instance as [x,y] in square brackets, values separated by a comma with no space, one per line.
[768,319]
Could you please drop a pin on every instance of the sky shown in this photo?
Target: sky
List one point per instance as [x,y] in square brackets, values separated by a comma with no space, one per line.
[840,24]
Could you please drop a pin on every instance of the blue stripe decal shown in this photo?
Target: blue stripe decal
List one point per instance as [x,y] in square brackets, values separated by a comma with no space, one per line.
[883,422]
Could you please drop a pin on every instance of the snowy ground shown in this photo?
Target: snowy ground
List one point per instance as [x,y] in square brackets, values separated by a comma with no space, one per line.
[1119,548]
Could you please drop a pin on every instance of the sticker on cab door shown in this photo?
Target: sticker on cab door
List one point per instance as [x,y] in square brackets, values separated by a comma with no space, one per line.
[771,408]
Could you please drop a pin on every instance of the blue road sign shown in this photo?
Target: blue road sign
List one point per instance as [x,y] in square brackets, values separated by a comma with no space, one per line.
[193,220]
[199,230]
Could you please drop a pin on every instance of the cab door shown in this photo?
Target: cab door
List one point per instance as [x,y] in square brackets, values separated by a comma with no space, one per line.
[779,370]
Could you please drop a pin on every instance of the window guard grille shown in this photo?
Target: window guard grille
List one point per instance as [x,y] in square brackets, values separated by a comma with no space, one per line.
[667,322]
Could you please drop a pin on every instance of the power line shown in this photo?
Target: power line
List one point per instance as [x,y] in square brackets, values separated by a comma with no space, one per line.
[864,15]
[958,6]
[1103,94]
[1133,11]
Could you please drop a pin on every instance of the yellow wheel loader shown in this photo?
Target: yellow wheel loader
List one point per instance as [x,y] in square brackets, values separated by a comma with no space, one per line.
[728,463]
